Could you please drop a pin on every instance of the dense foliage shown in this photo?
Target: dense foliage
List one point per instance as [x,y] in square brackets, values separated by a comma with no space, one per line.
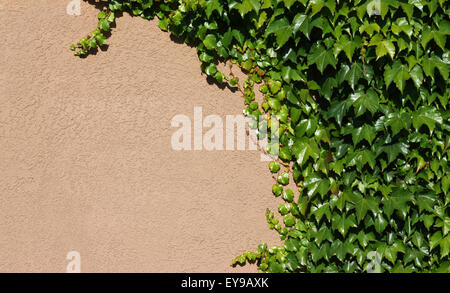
[362,92]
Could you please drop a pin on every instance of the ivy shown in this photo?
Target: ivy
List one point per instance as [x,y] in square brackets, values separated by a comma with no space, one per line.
[98,37]
[362,97]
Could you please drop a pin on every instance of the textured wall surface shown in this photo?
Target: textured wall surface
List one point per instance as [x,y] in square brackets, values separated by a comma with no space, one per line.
[85,157]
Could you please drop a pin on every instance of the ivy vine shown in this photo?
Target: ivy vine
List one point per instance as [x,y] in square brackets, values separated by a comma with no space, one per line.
[362,97]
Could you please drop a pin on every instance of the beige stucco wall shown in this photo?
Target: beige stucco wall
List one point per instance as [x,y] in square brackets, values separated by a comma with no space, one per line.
[85,157]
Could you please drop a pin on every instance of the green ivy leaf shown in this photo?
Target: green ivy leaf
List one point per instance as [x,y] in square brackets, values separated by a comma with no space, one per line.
[383,46]
[274,167]
[288,195]
[103,24]
[414,255]
[426,201]
[213,5]
[362,101]
[305,148]
[289,220]
[398,200]
[283,178]
[402,25]
[398,73]
[316,184]
[288,74]
[321,57]
[438,36]
[211,69]
[435,239]
[248,5]
[363,204]
[343,223]
[365,238]
[366,132]
[301,23]
[380,223]
[306,127]
[92,43]
[393,150]
[429,64]
[284,209]
[445,248]
[277,189]
[316,6]
[426,115]
[417,76]
[210,42]
[101,39]
[282,30]
[337,111]
[397,122]
[347,45]
[354,74]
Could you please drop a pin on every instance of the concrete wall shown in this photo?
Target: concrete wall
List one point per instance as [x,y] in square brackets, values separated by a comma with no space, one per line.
[86,162]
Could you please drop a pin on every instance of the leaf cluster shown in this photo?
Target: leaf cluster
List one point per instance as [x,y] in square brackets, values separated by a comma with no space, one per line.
[363,103]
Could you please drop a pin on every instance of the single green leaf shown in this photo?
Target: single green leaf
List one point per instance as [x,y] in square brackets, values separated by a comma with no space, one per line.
[402,25]
[435,239]
[211,69]
[380,223]
[429,64]
[316,6]
[321,57]
[426,201]
[417,75]
[383,46]
[398,73]
[289,220]
[277,189]
[305,148]
[426,115]
[365,238]
[103,24]
[283,178]
[398,200]
[347,45]
[282,30]
[354,74]
[337,110]
[213,5]
[366,132]
[314,183]
[438,36]
[284,208]
[288,195]
[210,42]
[246,6]
[301,23]
[397,122]
[238,36]
[362,101]
[363,204]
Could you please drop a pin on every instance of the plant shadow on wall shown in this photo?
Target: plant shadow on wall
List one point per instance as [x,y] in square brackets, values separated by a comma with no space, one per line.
[361,90]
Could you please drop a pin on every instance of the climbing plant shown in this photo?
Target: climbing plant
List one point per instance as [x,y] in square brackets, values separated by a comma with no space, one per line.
[361,90]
